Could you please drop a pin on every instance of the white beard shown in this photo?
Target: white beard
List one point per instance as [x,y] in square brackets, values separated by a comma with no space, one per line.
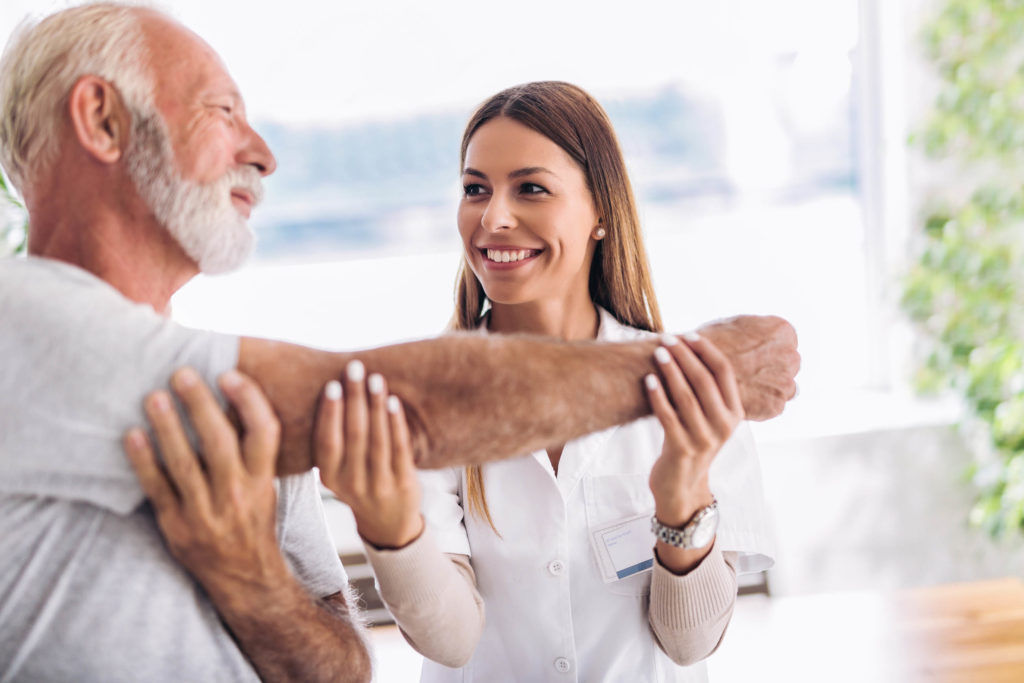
[200,217]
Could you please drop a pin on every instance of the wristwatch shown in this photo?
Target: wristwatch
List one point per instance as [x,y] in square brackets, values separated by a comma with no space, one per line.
[696,533]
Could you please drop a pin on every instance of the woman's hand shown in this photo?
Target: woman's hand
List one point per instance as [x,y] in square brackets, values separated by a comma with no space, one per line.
[368,463]
[699,413]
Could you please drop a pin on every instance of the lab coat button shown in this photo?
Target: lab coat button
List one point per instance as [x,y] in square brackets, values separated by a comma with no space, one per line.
[556,567]
[563,665]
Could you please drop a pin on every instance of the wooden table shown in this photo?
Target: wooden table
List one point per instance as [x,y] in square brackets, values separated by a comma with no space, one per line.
[957,633]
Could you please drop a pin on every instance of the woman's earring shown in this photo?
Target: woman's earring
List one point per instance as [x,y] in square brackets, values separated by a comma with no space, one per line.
[600,233]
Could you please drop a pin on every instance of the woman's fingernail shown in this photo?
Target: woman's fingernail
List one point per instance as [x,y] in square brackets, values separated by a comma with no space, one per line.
[669,339]
[394,405]
[231,380]
[332,392]
[691,336]
[651,381]
[375,384]
[662,355]
[355,371]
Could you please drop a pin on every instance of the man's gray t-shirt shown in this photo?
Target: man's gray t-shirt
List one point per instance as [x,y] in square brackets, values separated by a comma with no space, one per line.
[88,591]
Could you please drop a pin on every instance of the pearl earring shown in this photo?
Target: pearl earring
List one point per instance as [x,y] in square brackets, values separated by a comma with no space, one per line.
[600,233]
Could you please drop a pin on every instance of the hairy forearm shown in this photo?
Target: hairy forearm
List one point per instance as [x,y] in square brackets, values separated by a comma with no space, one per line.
[290,636]
[468,398]
[472,398]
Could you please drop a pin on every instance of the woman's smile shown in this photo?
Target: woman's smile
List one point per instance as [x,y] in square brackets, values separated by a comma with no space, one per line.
[508,258]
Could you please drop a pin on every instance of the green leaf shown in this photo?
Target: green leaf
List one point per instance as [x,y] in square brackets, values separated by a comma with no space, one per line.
[965,292]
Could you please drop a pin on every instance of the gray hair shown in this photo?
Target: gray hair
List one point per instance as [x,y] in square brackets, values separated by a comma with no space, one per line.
[41,64]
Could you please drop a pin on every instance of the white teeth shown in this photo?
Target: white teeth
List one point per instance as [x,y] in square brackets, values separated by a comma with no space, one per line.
[500,256]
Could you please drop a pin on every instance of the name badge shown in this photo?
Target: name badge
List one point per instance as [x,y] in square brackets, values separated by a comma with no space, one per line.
[624,547]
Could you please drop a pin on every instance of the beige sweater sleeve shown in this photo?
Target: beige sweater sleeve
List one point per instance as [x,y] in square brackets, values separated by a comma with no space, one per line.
[433,598]
[689,613]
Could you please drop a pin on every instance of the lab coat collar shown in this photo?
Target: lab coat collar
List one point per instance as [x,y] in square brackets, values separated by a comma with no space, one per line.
[608,328]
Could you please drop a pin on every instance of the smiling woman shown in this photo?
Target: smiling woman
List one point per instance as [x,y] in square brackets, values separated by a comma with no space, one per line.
[527,228]
[537,164]
[552,243]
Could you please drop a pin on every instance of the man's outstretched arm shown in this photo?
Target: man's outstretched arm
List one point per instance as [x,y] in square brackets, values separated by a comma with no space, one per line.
[471,398]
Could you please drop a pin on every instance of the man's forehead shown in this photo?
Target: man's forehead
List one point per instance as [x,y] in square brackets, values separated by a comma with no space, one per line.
[179,57]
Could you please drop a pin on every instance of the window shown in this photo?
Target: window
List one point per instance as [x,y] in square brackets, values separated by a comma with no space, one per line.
[740,122]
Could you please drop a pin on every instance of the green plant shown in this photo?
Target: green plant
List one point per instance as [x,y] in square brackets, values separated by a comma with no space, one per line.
[966,290]
[13,221]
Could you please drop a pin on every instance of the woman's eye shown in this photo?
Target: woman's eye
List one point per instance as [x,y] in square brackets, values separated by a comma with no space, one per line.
[532,188]
[472,189]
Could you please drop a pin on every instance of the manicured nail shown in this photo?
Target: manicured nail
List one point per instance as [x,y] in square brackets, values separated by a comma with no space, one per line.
[356,371]
[669,339]
[394,405]
[185,378]
[662,355]
[651,381]
[231,380]
[332,392]
[375,384]
[691,337]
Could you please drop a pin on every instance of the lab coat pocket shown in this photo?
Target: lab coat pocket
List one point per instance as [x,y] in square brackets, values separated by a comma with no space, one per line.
[613,498]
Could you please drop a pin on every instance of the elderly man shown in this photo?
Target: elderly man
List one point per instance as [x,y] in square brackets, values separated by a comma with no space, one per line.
[129,142]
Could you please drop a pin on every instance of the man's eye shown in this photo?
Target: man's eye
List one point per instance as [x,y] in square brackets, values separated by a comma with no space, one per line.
[472,189]
[532,188]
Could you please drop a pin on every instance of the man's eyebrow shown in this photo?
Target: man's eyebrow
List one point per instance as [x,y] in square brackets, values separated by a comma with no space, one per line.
[231,93]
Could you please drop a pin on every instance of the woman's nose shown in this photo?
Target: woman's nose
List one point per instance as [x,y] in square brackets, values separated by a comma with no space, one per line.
[498,215]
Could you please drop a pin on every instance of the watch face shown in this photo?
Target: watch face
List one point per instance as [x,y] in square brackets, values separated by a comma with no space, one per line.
[705,530]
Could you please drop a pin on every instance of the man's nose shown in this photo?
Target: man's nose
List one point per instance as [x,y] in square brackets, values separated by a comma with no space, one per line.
[255,152]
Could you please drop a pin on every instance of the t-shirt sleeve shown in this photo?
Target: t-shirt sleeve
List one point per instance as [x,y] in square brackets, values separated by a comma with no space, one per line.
[304,537]
[76,361]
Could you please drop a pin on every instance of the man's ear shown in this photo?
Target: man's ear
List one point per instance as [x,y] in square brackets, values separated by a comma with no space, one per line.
[98,118]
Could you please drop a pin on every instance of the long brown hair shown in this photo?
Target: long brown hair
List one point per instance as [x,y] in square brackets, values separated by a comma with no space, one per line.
[620,278]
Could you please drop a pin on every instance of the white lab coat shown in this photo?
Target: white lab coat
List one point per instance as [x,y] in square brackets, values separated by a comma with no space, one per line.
[549,614]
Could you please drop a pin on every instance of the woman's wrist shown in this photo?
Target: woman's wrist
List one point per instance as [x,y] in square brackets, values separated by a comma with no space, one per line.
[679,508]
[393,537]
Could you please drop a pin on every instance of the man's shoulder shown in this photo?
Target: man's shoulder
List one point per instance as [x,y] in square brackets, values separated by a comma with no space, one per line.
[31,282]
[37,267]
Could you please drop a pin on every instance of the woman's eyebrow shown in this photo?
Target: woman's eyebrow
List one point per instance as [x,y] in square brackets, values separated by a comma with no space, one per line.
[518,173]
[530,171]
